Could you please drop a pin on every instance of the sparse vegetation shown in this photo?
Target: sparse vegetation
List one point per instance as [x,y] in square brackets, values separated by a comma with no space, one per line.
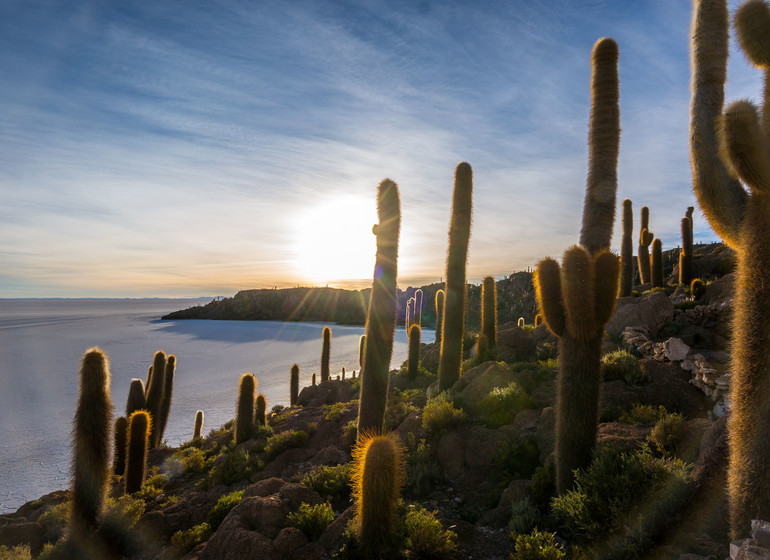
[311,520]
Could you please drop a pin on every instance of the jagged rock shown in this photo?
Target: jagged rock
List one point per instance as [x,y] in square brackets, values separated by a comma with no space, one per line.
[476,383]
[328,392]
[293,495]
[334,532]
[266,487]
[637,339]
[679,295]
[652,312]
[514,344]
[675,349]
[288,540]
[330,455]
[751,550]
[760,532]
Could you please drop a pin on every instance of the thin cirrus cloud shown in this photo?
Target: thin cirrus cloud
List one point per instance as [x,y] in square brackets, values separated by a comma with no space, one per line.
[169,149]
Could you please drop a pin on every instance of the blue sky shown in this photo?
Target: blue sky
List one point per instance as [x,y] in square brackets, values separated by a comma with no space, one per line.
[198,148]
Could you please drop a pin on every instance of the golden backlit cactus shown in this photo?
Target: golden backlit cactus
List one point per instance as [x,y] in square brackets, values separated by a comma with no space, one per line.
[413,361]
[741,216]
[418,295]
[627,251]
[155,395]
[293,385]
[381,318]
[198,429]
[136,399]
[489,312]
[376,477]
[139,430]
[244,413]
[168,391]
[642,251]
[260,412]
[361,350]
[326,353]
[451,354]
[91,453]
[439,315]
[147,383]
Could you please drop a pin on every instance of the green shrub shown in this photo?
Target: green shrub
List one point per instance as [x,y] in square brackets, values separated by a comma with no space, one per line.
[335,411]
[642,414]
[537,546]
[440,414]
[20,552]
[230,467]
[329,482]
[54,521]
[502,405]
[123,512]
[396,413]
[194,460]
[282,441]
[421,469]
[349,434]
[426,538]
[277,408]
[519,459]
[668,431]
[185,541]
[524,517]
[223,506]
[621,493]
[543,486]
[312,520]
[547,351]
[621,364]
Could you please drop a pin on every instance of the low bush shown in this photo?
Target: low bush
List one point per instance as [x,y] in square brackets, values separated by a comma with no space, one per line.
[501,405]
[185,541]
[668,431]
[223,506]
[312,520]
[537,546]
[524,517]
[425,536]
[335,411]
[331,483]
[20,552]
[642,414]
[282,441]
[421,469]
[440,415]
[621,364]
[519,459]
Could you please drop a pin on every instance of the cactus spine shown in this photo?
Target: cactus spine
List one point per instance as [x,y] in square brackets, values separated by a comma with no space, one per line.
[119,449]
[377,476]
[325,353]
[454,297]
[91,469]
[657,264]
[294,385]
[418,295]
[626,251]
[577,299]
[244,414]
[136,400]
[414,351]
[740,217]
[155,396]
[198,425]
[439,315]
[489,312]
[168,390]
[643,254]
[260,414]
[139,430]
[381,318]
[685,255]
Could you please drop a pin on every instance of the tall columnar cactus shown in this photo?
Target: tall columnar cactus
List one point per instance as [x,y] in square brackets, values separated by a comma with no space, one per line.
[577,299]
[381,318]
[147,383]
[741,216]
[643,254]
[119,449]
[343,374]
[657,264]
[244,413]
[260,413]
[418,295]
[155,396]
[92,425]
[139,429]
[627,251]
[168,391]
[408,314]
[136,400]
[325,353]
[377,477]
[685,255]
[454,297]
[439,315]
[198,424]
[361,350]
[313,380]
[489,312]
[413,362]
[689,213]
[293,385]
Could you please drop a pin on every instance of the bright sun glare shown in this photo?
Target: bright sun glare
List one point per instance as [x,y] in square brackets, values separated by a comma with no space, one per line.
[335,240]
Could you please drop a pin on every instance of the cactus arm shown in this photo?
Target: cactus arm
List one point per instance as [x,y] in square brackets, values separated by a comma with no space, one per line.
[548,293]
[721,197]
[578,293]
[603,145]
[605,286]
[743,145]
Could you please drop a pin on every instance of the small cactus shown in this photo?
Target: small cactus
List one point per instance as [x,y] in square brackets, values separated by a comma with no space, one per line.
[482,348]
[377,476]
[136,400]
[685,255]
[418,295]
[198,425]
[244,414]
[657,263]
[538,319]
[521,322]
[489,311]
[260,414]
[168,390]
[361,350]
[645,239]
[325,353]
[457,257]
[439,315]
[313,380]
[626,251]
[343,374]
[414,351]
[139,430]
[697,289]
[294,385]
[119,454]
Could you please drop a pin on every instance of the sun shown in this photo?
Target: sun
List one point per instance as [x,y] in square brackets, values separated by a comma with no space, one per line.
[334,241]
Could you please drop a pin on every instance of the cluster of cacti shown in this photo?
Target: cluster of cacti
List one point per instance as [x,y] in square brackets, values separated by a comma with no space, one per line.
[439,315]
[657,264]
[685,255]
[626,251]
[489,313]
[645,239]
[160,379]
[326,353]
[413,361]
[740,216]
[90,468]
[381,317]
[294,385]
[577,299]
[198,425]
[453,321]
[139,433]
[376,477]
[244,413]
